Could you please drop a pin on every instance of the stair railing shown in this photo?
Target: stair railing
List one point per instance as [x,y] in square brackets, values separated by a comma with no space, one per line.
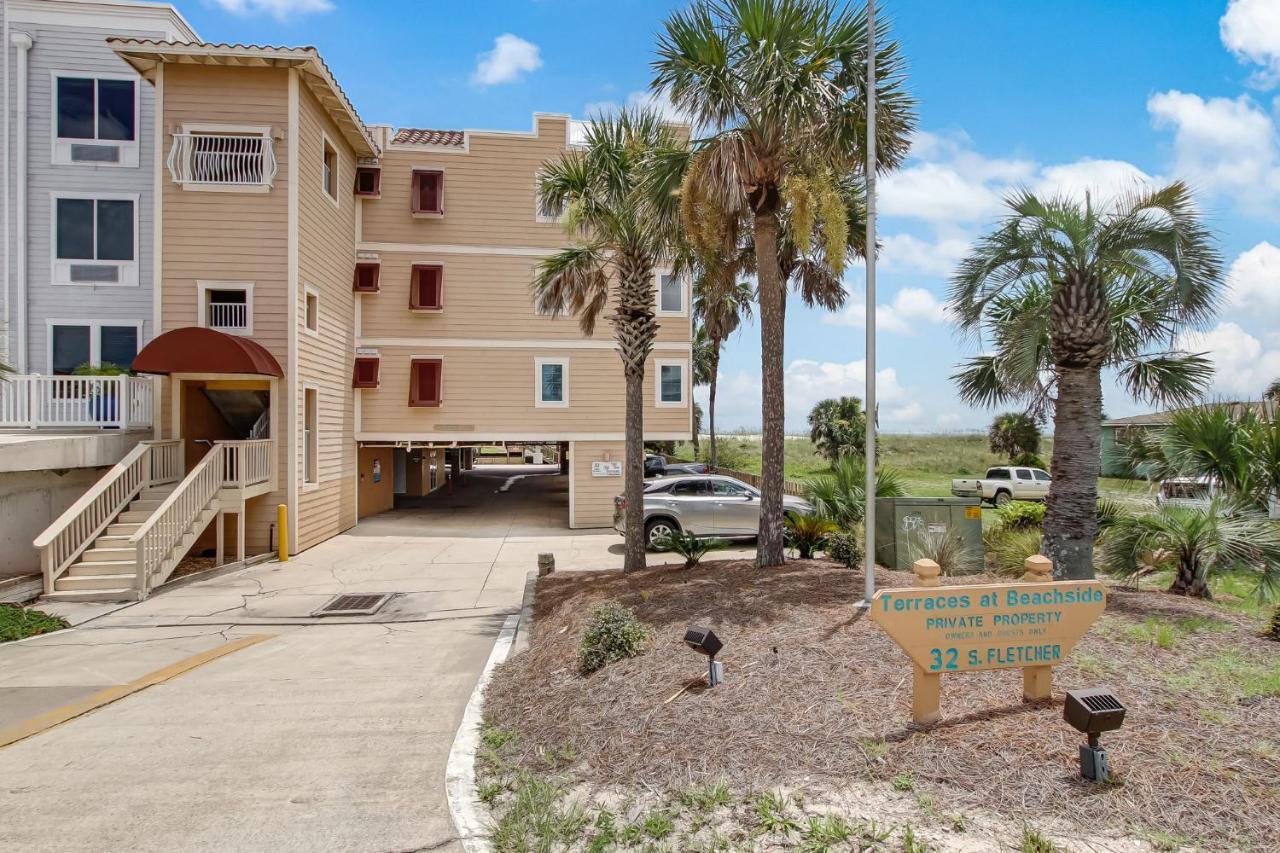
[66,539]
[248,463]
[156,541]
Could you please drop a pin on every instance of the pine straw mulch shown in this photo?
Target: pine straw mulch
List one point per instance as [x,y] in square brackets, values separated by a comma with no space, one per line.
[814,694]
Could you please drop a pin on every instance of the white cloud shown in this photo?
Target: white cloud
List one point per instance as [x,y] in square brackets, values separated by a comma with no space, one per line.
[1254,279]
[1103,179]
[511,58]
[1222,144]
[1251,30]
[911,308]
[281,10]
[1242,365]
[948,420]
[931,257]
[659,102]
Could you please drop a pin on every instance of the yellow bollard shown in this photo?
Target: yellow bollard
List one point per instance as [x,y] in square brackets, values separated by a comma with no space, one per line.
[282,531]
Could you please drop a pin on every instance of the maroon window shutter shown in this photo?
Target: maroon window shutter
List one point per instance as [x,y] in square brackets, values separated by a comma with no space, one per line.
[365,374]
[424,382]
[427,288]
[366,278]
[428,188]
[368,180]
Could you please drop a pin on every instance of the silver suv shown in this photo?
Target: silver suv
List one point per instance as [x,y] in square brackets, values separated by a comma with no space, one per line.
[710,506]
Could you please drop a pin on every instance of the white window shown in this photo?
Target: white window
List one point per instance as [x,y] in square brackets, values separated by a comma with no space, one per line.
[95,119]
[545,212]
[73,343]
[669,382]
[310,437]
[226,306]
[551,383]
[312,317]
[670,293]
[223,158]
[329,170]
[95,239]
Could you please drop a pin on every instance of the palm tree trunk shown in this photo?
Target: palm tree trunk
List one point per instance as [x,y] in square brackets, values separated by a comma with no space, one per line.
[770,544]
[634,330]
[633,473]
[1071,520]
[711,400]
[1188,581]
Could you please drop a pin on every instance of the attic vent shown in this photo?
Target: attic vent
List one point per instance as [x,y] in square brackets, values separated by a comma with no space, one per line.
[357,604]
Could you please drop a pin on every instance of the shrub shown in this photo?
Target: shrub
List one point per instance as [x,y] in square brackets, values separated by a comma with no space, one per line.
[1011,548]
[1020,515]
[947,550]
[1030,460]
[845,547]
[613,633]
[841,495]
[808,533]
[17,622]
[688,545]
[730,453]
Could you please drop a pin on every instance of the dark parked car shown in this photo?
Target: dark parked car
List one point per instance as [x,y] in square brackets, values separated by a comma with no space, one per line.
[657,466]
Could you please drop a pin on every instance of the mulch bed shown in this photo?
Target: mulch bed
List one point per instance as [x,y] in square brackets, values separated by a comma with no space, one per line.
[815,694]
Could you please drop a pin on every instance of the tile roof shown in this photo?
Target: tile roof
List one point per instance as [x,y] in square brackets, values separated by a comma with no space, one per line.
[423,136]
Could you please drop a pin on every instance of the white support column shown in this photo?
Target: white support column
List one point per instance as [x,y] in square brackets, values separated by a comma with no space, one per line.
[220,551]
[23,42]
[240,534]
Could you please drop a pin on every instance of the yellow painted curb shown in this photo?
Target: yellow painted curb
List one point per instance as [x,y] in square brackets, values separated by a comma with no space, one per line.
[70,711]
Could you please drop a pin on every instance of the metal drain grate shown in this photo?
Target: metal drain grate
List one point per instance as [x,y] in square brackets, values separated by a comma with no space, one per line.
[355,604]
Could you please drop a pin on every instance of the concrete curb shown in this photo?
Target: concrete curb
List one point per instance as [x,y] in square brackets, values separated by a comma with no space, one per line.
[526,613]
[460,774]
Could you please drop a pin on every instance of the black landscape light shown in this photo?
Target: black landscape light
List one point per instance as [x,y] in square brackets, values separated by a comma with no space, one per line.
[1093,712]
[705,642]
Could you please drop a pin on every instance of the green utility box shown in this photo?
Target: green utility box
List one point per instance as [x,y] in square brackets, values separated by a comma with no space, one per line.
[901,523]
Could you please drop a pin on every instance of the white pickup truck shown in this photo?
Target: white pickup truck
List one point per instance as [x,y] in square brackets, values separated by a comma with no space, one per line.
[1005,483]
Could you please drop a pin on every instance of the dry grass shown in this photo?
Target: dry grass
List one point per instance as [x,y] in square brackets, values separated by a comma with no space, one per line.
[816,695]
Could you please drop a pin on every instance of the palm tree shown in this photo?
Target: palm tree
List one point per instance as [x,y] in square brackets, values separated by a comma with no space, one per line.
[1062,289]
[837,427]
[841,495]
[1200,541]
[1014,433]
[700,367]
[780,85]
[622,230]
[1273,392]
[720,307]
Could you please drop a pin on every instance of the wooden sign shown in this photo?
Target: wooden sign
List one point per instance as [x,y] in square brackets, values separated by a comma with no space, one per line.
[1031,625]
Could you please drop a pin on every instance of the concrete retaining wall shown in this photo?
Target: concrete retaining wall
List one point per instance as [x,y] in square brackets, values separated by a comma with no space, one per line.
[29,502]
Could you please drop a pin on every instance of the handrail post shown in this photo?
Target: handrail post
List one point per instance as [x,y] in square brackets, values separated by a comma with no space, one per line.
[122,401]
[32,395]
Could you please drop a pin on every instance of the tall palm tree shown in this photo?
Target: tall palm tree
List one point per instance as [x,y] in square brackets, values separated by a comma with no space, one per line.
[622,229]
[701,365]
[781,86]
[1273,392]
[1063,288]
[720,307]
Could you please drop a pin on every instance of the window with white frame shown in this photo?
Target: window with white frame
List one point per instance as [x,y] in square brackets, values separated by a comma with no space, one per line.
[310,437]
[73,343]
[544,212]
[95,239]
[669,384]
[95,119]
[223,158]
[312,315]
[551,383]
[329,169]
[671,293]
[226,306]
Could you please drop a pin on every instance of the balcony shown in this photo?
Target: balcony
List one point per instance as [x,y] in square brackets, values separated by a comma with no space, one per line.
[218,161]
[75,402]
[227,316]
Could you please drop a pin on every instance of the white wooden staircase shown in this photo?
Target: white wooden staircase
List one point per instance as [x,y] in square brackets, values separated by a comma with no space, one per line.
[128,533]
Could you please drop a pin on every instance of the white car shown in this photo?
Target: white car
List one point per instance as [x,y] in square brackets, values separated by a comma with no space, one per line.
[1005,483]
[704,505]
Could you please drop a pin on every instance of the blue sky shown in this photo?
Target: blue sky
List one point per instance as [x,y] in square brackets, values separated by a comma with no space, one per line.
[1054,96]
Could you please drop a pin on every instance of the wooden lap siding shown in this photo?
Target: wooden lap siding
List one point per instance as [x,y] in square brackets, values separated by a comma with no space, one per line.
[326,263]
[593,496]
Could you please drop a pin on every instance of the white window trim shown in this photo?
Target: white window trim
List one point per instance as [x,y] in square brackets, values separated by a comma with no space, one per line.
[309,292]
[203,286]
[336,196]
[231,129]
[60,147]
[537,208]
[683,364]
[95,337]
[657,294]
[310,485]
[538,363]
[444,188]
[60,268]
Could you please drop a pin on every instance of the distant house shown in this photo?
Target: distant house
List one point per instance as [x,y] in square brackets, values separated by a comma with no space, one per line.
[1117,433]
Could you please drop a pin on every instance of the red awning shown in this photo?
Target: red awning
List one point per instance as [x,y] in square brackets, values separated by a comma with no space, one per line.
[197,350]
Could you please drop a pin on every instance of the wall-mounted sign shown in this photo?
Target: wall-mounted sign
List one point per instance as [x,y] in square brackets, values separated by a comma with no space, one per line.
[606,469]
[377,470]
[944,629]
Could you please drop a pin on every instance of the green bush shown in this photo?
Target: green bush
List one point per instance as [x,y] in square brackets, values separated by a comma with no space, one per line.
[1021,515]
[730,453]
[1010,548]
[1030,460]
[17,622]
[846,548]
[613,633]
[688,545]
[808,533]
[947,550]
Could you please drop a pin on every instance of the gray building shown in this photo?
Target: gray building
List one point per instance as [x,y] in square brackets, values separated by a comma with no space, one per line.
[80,165]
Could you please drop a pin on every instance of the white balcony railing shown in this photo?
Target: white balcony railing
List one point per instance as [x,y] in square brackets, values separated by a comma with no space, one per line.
[222,160]
[34,402]
[228,316]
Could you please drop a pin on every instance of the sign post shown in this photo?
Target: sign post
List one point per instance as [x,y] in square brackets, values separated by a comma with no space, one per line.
[1030,625]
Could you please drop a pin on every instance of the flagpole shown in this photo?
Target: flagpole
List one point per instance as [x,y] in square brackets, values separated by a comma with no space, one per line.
[869,516]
